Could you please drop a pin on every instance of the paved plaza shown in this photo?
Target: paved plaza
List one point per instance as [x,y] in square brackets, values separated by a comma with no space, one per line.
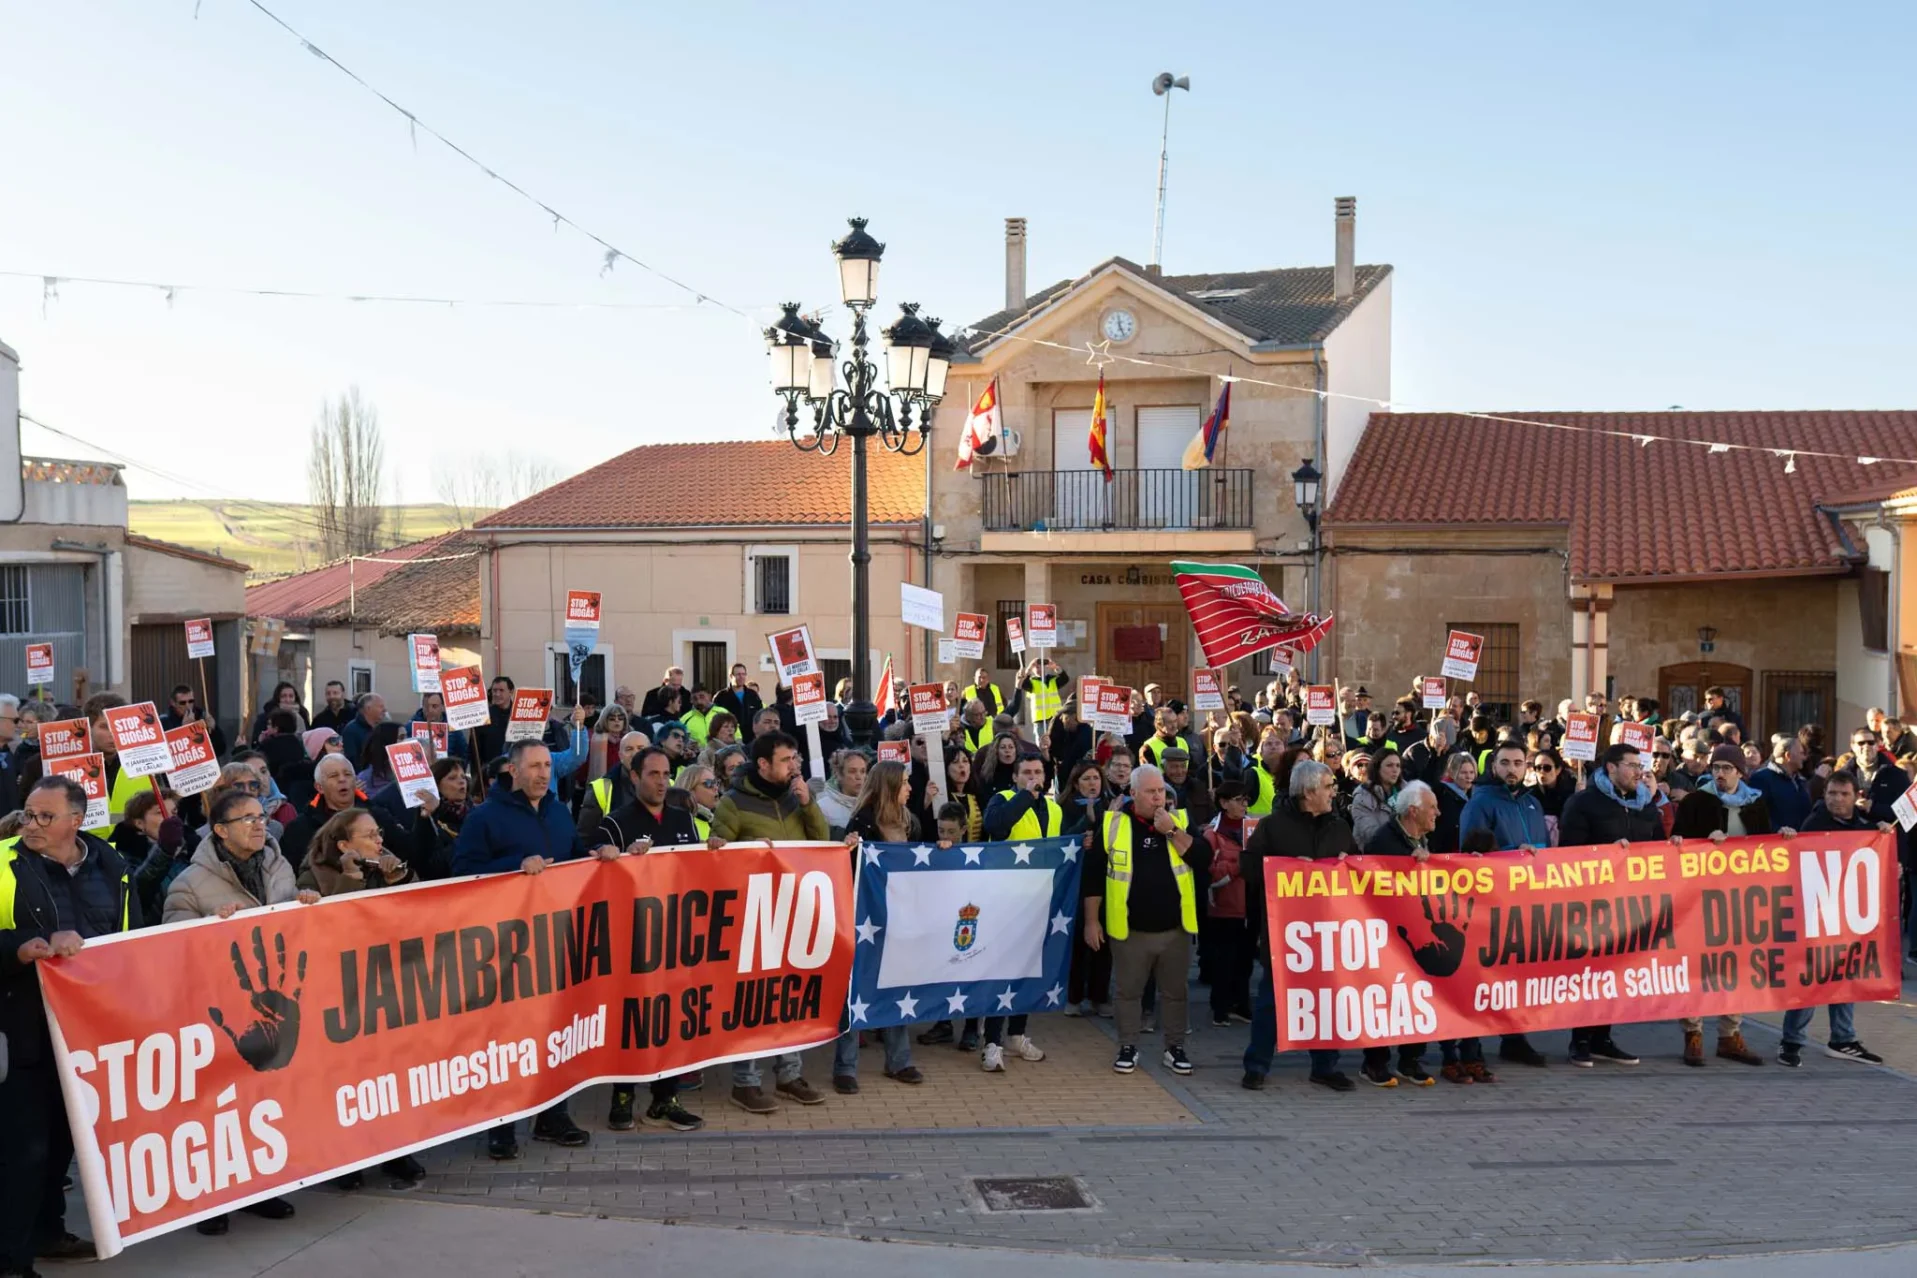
[1653,1163]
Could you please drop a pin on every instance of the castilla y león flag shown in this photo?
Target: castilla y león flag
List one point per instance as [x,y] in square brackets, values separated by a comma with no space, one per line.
[1236,614]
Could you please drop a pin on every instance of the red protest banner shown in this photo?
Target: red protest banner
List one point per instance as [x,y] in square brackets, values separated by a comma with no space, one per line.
[532,707]
[39,663]
[199,638]
[195,767]
[1321,704]
[64,738]
[808,698]
[1580,742]
[929,713]
[1205,692]
[464,693]
[435,733]
[968,635]
[1431,693]
[1639,736]
[1378,950]
[1042,628]
[1462,652]
[895,752]
[139,739]
[291,1044]
[582,607]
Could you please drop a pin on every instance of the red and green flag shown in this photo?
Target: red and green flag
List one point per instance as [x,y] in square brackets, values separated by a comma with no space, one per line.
[1236,614]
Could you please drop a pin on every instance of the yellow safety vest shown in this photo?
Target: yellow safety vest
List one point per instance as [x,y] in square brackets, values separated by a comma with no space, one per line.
[124,788]
[10,888]
[602,795]
[1153,747]
[1118,875]
[1267,790]
[699,726]
[1045,700]
[703,826]
[973,693]
[978,738]
[1029,826]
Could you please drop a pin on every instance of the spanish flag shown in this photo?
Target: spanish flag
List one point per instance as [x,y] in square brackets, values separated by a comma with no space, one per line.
[1204,445]
[1096,436]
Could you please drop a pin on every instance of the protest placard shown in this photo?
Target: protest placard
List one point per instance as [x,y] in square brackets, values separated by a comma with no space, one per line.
[1015,635]
[1042,628]
[968,635]
[1321,704]
[1431,692]
[90,771]
[199,638]
[929,712]
[39,663]
[1640,737]
[423,655]
[1580,737]
[808,698]
[792,653]
[1462,649]
[921,607]
[435,734]
[411,772]
[532,710]
[1114,708]
[64,738]
[140,739]
[194,765]
[1205,692]
[465,696]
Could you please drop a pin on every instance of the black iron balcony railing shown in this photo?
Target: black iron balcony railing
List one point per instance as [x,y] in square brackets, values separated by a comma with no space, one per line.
[1084,501]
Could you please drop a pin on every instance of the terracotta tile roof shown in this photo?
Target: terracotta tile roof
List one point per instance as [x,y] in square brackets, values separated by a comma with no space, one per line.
[735,483]
[1285,305]
[186,552]
[439,596]
[299,596]
[1632,511]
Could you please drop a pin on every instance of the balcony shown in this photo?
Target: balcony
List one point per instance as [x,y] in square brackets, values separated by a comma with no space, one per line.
[1136,511]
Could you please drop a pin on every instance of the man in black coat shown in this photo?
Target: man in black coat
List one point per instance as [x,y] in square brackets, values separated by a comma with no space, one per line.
[185,708]
[1619,806]
[64,887]
[1302,824]
[740,701]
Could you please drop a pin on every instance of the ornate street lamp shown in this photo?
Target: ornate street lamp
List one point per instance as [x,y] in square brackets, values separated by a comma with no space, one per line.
[1305,482]
[804,371]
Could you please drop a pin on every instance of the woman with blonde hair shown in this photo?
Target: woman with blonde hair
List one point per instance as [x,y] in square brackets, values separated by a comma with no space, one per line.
[613,724]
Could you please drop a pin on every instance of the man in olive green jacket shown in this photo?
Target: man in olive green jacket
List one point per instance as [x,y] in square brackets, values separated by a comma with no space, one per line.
[769,799]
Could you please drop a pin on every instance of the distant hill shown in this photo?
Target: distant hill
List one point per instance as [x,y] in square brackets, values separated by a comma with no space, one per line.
[275,538]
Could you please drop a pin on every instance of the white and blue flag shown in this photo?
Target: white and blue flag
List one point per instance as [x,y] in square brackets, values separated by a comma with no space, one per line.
[976,929]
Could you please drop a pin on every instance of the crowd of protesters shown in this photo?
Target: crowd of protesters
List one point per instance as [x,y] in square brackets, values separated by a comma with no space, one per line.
[1178,815]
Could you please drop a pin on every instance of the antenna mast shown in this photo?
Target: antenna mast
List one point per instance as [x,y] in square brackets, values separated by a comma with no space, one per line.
[1162,85]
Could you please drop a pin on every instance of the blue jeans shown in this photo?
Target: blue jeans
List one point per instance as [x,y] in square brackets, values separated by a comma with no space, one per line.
[1264,1030]
[898,1051]
[1843,1027]
[785,1067]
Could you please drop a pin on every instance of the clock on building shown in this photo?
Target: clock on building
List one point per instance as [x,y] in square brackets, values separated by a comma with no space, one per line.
[1120,326]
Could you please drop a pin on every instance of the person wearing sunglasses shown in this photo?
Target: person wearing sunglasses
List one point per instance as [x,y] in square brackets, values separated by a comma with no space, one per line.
[1550,781]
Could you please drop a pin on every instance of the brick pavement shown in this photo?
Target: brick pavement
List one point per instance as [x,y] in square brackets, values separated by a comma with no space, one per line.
[1559,1164]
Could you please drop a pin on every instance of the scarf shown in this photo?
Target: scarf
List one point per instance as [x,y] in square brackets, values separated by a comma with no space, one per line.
[1740,797]
[251,872]
[1645,792]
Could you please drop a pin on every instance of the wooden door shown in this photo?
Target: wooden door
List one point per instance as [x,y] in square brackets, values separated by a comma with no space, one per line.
[1681,688]
[1144,643]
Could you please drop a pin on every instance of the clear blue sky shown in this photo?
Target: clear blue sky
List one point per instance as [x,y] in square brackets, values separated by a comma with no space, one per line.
[1627,206]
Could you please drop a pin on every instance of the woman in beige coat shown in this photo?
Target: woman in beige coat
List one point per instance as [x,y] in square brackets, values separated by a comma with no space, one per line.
[236,867]
[348,855]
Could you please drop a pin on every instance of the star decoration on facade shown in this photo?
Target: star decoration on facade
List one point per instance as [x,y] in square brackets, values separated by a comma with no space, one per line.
[858,1007]
[1005,1000]
[1061,924]
[1099,354]
[921,855]
[971,855]
[1022,854]
[909,1008]
[955,1003]
[868,930]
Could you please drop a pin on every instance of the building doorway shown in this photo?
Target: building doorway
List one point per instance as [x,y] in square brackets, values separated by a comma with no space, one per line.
[1680,689]
[1145,643]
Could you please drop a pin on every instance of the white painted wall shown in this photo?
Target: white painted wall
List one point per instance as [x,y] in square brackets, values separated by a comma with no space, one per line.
[1357,362]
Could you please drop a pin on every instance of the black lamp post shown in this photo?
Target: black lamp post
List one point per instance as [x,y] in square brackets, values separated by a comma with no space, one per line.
[917,359]
[1305,482]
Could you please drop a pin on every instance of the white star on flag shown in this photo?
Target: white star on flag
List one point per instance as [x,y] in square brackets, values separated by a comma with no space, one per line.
[1005,1000]
[1071,849]
[1053,995]
[871,853]
[921,855]
[868,929]
[1022,854]
[955,1002]
[971,855]
[909,1007]
[1061,924]
[857,1007]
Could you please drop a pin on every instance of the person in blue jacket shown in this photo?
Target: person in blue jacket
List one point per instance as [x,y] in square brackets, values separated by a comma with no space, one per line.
[1515,819]
[522,828]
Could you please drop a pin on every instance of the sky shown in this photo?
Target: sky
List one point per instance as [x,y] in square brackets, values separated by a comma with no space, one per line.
[1626,206]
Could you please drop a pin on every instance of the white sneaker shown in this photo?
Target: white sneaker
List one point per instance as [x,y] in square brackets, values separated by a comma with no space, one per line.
[992,1060]
[1071,1009]
[1026,1048]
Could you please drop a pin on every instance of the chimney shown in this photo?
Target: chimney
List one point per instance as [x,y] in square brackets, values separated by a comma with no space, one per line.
[1015,264]
[1344,271]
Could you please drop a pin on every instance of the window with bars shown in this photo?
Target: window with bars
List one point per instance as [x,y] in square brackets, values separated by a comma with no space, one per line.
[16,602]
[1793,698]
[1015,608]
[1497,681]
[772,583]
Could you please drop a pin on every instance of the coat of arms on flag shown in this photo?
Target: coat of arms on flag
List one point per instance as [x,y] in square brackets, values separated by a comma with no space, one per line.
[983,426]
[983,929]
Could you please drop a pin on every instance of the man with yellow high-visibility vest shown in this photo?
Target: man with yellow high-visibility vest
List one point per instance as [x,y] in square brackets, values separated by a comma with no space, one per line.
[1261,778]
[1141,893]
[1024,812]
[1042,684]
[975,726]
[612,791]
[59,888]
[984,690]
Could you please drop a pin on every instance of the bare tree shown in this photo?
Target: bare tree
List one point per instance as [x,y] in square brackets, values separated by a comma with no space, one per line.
[477,486]
[346,476]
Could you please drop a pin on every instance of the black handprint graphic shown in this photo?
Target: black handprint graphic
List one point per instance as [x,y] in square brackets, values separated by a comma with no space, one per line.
[1441,955]
[270,1041]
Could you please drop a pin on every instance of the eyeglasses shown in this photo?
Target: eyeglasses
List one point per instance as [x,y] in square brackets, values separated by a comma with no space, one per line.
[258,818]
[1544,765]
[1662,754]
[44,818]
